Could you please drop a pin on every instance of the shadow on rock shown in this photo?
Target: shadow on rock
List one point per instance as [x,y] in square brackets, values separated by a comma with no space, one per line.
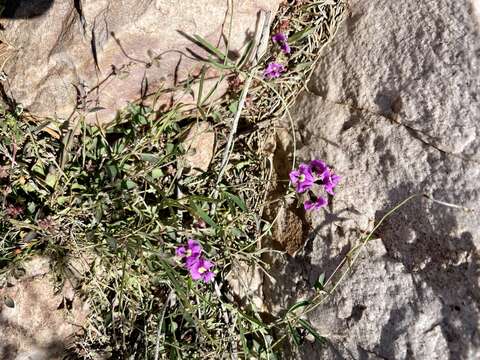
[440,258]
[26,9]
[296,275]
[11,350]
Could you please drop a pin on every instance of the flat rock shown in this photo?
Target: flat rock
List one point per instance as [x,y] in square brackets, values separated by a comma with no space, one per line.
[96,56]
[36,321]
[199,146]
[394,109]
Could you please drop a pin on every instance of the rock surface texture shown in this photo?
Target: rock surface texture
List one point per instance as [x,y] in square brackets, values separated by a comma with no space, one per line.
[99,55]
[394,107]
[37,321]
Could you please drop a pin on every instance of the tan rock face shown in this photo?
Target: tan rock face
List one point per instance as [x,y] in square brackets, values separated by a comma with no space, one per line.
[102,54]
[199,146]
[414,292]
[36,322]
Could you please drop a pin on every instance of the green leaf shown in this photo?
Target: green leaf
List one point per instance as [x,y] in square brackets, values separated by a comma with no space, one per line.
[237,200]
[233,107]
[149,158]
[28,187]
[243,340]
[251,319]
[221,66]
[98,213]
[38,168]
[300,35]
[299,304]
[320,283]
[128,184]
[246,55]
[62,200]
[207,45]
[295,334]
[169,148]
[200,88]
[202,214]
[51,180]
[77,186]
[31,207]
[112,243]
[236,232]
[157,173]
[307,326]
[112,171]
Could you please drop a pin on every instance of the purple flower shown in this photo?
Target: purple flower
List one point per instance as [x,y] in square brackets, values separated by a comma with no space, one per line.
[302,178]
[191,252]
[316,204]
[273,70]
[285,48]
[200,270]
[281,39]
[318,168]
[330,180]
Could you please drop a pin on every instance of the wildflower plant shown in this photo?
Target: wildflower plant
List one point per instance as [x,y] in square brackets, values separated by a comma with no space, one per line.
[282,40]
[197,265]
[318,174]
[273,70]
[117,200]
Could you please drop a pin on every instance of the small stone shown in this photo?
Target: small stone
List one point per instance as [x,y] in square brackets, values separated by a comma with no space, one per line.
[199,148]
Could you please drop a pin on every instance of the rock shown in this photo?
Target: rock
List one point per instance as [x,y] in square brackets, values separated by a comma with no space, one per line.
[246,285]
[100,55]
[37,322]
[394,109]
[199,148]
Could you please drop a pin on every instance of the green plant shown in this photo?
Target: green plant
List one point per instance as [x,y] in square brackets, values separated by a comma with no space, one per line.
[109,206]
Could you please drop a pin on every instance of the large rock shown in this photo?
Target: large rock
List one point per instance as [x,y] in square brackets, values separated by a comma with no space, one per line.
[394,108]
[101,54]
[38,322]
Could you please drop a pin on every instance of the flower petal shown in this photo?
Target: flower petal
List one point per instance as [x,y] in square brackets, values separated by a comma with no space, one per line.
[193,268]
[285,48]
[294,174]
[307,205]
[180,251]
[208,276]
[191,262]
[315,205]
[279,37]
[194,247]
[207,264]
[318,167]
[321,202]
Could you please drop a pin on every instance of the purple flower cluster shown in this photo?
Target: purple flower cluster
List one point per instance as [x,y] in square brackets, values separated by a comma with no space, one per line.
[198,266]
[317,172]
[274,69]
[281,40]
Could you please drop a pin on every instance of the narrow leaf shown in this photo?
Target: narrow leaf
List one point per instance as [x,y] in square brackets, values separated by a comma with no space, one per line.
[298,305]
[307,326]
[201,213]
[295,335]
[213,49]
[300,35]
[237,200]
